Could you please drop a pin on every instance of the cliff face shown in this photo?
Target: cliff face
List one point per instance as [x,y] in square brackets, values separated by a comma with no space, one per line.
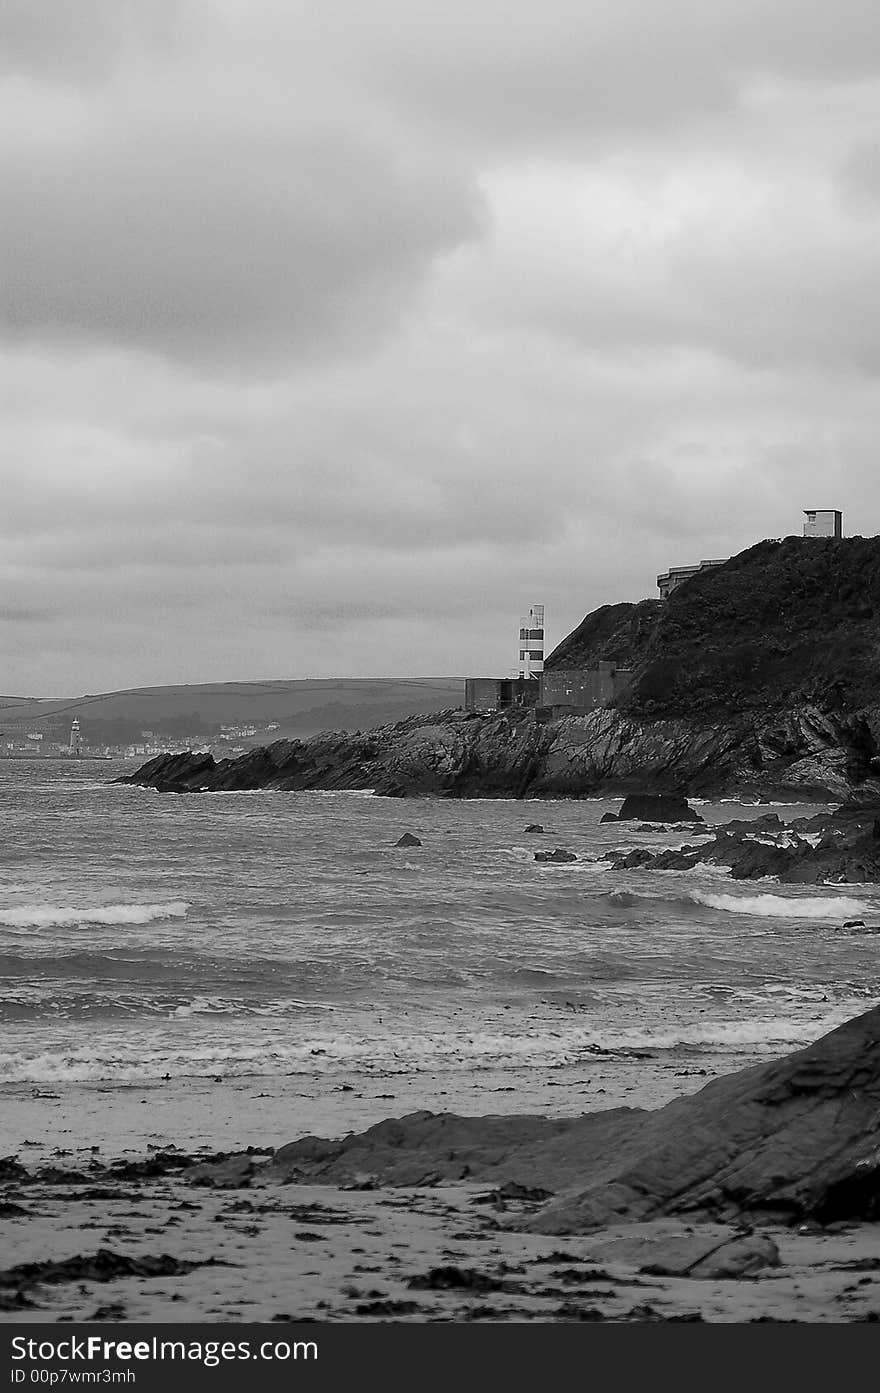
[455,754]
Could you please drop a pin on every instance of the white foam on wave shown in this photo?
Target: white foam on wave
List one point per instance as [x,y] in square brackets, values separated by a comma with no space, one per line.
[785,907]
[47,916]
[231,1055]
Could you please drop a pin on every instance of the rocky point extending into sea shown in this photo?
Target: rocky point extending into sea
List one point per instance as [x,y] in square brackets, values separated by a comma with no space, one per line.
[757,678]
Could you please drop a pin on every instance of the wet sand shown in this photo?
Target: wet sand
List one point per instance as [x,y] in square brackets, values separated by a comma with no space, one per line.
[229,1114]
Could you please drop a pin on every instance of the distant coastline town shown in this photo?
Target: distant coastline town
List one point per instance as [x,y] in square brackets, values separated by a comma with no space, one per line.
[63,739]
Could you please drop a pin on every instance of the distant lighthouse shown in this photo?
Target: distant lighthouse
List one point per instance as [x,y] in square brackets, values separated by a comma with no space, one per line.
[531,643]
[75,738]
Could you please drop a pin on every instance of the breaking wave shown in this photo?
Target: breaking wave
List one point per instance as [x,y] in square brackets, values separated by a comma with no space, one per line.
[47,916]
[785,907]
[213,1052]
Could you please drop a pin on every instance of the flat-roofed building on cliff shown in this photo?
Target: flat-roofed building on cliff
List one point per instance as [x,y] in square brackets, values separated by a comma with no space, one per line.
[575,691]
[823,522]
[562,692]
[677,575]
[500,693]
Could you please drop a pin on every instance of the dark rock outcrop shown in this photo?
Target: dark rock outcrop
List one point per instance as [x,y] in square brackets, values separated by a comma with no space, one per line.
[457,754]
[559,855]
[839,847]
[795,1140]
[408,840]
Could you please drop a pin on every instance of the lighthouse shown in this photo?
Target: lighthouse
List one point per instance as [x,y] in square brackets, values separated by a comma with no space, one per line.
[531,643]
[75,738]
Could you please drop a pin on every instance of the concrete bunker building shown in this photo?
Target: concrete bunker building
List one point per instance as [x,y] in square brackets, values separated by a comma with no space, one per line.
[823,522]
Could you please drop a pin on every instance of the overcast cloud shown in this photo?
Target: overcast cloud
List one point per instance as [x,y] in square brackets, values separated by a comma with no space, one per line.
[333,333]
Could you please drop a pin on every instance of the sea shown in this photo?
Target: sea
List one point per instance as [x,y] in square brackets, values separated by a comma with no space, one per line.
[243,938]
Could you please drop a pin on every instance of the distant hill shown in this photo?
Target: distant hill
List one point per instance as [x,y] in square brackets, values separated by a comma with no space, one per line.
[300,706]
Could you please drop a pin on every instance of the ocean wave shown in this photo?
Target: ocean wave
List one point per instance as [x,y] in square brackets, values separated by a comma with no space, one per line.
[785,907]
[150,1059]
[46,916]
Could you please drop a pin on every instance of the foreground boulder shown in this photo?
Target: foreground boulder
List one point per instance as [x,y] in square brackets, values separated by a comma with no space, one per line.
[792,1140]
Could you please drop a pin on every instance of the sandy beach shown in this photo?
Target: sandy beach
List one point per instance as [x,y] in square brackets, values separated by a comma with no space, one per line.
[295,1252]
[166,1220]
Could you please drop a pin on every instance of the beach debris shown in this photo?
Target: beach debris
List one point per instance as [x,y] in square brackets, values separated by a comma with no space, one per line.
[114,1310]
[102,1266]
[12,1169]
[460,1279]
[387,1307]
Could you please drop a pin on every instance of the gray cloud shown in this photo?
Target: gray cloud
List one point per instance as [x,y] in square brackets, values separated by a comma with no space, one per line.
[332,335]
[229,244]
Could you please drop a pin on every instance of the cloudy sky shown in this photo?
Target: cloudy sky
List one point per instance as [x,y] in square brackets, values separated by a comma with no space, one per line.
[333,333]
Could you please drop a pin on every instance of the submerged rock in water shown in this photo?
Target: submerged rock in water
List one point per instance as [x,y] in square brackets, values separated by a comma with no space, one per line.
[838,846]
[559,854]
[408,840]
[657,807]
[534,827]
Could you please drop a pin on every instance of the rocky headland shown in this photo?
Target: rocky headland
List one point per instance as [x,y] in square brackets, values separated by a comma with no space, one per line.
[804,754]
[758,678]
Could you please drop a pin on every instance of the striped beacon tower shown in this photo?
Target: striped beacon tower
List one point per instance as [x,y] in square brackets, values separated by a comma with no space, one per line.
[531,643]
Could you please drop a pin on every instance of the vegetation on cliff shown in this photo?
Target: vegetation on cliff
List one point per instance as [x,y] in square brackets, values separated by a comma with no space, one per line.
[611,634]
[780,625]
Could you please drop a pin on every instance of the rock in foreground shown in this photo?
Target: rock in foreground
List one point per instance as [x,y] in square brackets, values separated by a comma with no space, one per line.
[793,1140]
